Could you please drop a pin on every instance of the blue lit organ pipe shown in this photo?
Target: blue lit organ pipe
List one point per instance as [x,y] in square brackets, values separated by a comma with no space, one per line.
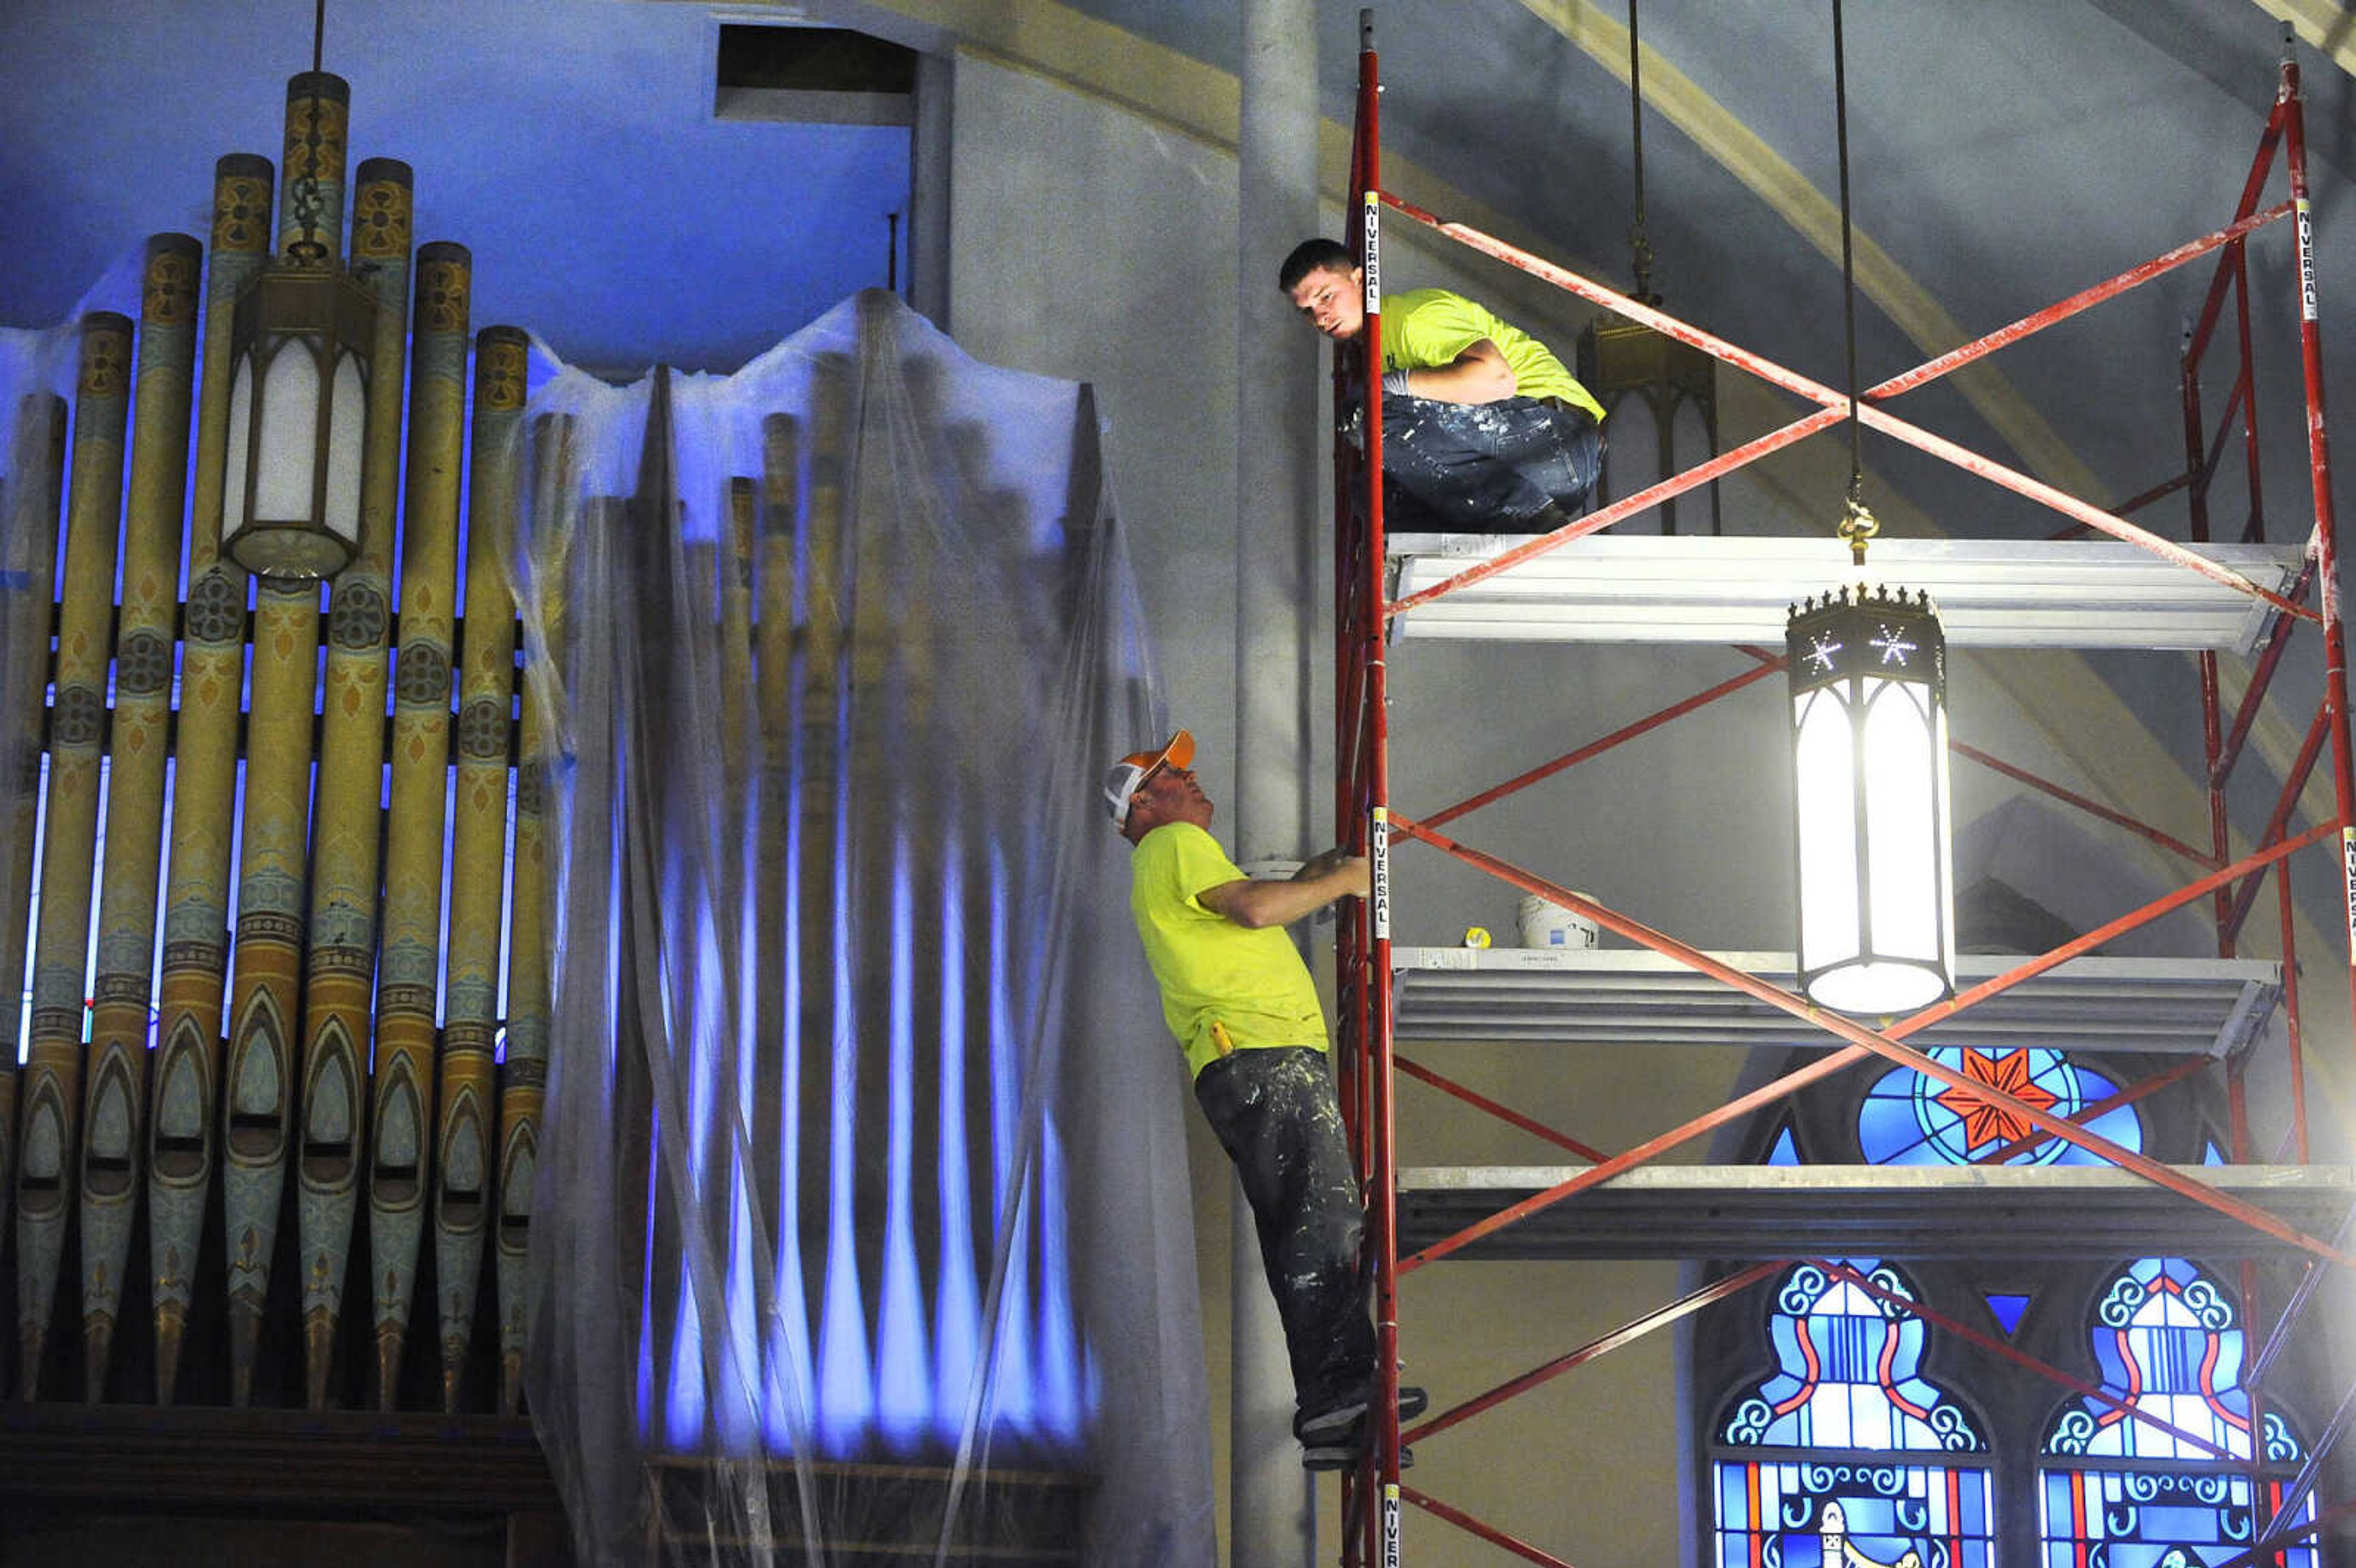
[777,1104]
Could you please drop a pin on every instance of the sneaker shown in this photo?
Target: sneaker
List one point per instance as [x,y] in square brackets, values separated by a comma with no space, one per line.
[1340,1422]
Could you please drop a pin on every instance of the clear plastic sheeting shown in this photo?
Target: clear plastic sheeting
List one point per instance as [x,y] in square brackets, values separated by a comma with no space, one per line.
[861,1231]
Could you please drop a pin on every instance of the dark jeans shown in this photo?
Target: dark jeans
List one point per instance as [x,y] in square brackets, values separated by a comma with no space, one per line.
[1485,467]
[1276,1114]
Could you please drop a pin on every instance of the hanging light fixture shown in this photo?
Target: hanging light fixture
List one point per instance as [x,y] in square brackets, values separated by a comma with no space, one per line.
[1869,681]
[300,344]
[1677,382]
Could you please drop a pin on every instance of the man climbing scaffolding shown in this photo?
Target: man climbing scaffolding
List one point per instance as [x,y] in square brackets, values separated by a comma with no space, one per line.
[1246,1013]
[1483,431]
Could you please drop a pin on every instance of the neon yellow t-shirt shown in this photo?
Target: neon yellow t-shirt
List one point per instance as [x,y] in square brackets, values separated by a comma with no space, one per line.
[1251,983]
[1424,327]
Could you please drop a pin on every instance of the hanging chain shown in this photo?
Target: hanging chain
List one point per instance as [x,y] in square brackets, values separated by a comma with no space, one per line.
[309,250]
[1857,525]
[1640,240]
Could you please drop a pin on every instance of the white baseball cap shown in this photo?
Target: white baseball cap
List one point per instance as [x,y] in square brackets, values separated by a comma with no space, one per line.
[1121,784]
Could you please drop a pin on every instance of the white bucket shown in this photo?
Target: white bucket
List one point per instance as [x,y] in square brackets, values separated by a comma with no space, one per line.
[1545,924]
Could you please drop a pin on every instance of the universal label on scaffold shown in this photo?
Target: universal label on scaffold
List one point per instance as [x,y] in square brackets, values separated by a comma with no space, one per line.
[1373,261]
[2348,867]
[2306,263]
[1378,848]
[1390,1524]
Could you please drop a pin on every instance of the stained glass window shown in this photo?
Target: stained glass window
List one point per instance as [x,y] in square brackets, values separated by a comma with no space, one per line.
[1910,1119]
[1846,1395]
[2170,1359]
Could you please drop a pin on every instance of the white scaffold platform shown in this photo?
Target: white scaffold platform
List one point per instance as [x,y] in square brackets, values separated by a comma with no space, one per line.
[2208,1007]
[2061,593]
[1976,1212]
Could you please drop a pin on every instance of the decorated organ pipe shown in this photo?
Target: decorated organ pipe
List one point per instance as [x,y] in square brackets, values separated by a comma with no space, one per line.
[51,1088]
[286,379]
[467,1122]
[523,1078]
[399,1147]
[340,964]
[31,492]
[116,1086]
[182,1126]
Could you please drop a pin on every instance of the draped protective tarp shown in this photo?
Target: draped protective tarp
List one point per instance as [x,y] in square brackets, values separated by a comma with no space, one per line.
[862,1211]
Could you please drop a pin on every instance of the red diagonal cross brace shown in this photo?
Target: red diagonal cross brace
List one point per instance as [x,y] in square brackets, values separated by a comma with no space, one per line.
[1885,1043]
[1834,407]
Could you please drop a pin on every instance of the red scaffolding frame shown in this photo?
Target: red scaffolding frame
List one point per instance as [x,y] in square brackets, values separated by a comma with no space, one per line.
[1365,614]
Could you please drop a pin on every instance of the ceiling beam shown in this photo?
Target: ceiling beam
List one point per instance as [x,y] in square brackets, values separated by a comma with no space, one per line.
[2327,26]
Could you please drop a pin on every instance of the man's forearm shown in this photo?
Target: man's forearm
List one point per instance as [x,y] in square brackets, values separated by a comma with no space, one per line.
[1259,904]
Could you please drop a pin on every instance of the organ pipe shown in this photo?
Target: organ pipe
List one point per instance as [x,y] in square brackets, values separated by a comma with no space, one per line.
[116,1094]
[340,966]
[409,961]
[183,1134]
[51,1087]
[32,491]
[468,1119]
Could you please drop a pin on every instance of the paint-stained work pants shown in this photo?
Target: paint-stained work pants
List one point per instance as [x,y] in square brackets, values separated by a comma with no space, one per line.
[1276,1114]
[1486,467]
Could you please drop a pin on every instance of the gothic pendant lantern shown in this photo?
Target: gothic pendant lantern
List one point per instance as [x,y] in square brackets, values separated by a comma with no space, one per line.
[1868,678]
[301,344]
[1869,681]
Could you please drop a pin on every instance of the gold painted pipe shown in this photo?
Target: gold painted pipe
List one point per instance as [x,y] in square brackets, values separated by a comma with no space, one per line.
[117,1088]
[182,1131]
[340,966]
[33,490]
[469,1112]
[51,1087]
[400,1129]
[523,1079]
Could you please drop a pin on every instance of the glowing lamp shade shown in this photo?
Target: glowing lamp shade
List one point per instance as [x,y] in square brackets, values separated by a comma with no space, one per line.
[1869,677]
[290,497]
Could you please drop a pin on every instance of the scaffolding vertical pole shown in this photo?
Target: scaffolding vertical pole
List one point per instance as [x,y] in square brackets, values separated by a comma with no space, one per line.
[1353,972]
[2196,490]
[2325,545]
[1382,1196]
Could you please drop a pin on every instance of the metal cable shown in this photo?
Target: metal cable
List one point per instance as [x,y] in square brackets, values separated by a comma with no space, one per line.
[1856,524]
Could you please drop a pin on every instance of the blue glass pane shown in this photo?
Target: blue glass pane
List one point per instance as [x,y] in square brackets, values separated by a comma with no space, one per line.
[1785,1151]
[2170,1359]
[2153,1518]
[2007,1309]
[1907,1118]
[1805,1514]
[1847,1374]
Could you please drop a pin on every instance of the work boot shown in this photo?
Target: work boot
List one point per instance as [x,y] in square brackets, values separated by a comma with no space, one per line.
[1340,1422]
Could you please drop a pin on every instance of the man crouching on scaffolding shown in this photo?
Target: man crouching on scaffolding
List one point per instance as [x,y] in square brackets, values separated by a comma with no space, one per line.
[1237,995]
[1483,431]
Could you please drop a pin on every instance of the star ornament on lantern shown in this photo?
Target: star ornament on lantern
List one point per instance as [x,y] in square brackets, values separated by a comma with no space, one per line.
[1892,645]
[1820,654]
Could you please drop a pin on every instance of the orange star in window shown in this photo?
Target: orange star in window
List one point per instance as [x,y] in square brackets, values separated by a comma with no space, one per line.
[1986,1122]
